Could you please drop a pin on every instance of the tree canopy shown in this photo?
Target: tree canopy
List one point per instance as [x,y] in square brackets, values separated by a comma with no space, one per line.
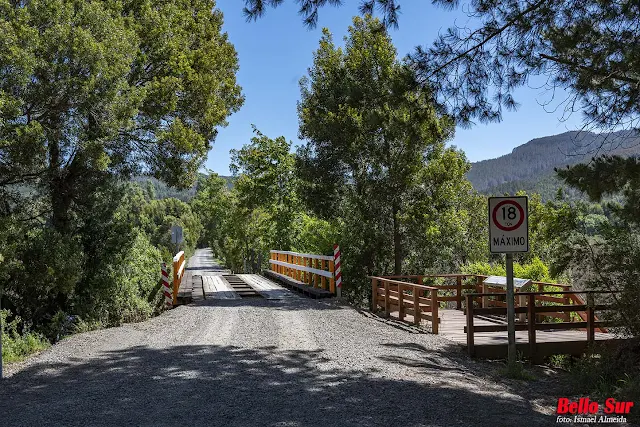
[90,90]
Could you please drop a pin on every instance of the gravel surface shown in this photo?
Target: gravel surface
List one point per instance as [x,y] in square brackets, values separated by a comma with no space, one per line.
[255,362]
[265,363]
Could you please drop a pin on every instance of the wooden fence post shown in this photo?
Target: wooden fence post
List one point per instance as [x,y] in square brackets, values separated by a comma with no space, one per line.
[591,335]
[400,303]
[434,311]
[387,303]
[531,318]
[459,292]
[416,307]
[374,295]
[470,345]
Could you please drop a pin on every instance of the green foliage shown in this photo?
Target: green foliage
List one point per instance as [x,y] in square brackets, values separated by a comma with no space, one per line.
[517,372]
[375,162]
[157,218]
[17,341]
[604,373]
[212,204]
[535,270]
[315,235]
[124,289]
[261,211]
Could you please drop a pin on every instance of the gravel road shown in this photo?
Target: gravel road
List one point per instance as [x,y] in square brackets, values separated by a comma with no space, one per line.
[254,362]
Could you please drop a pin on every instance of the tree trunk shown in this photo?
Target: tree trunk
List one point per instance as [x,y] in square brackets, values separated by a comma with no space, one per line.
[397,242]
[58,192]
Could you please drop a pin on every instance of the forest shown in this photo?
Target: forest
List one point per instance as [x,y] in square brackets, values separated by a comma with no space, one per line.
[83,238]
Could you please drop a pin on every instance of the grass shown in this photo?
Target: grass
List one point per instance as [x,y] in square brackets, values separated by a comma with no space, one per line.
[17,346]
[516,372]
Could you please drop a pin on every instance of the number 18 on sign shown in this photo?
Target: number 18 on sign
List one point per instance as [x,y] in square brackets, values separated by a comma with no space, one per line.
[508,224]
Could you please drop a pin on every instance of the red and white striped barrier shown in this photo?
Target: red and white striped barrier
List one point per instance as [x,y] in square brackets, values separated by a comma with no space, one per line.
[336,262]
[166,289]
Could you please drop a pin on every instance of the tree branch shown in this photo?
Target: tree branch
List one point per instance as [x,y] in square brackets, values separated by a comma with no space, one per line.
[491,36]
[599,72]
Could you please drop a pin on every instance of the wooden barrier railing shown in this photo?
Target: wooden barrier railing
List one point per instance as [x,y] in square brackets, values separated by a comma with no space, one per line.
[178,272]
[457,295]
[455,292]
[533,312]
[406,298]
[314,270]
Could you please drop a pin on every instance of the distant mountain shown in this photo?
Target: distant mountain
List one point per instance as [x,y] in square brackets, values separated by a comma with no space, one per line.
[163,191]
[530,166]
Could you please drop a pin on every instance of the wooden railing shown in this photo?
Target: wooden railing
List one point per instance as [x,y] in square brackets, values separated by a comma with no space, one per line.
[314,270]
[453,292]
[419,301]
[178,272]
[534,311]
[494,296]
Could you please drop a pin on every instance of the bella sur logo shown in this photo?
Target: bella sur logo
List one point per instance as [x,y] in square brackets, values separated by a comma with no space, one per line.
[584,405]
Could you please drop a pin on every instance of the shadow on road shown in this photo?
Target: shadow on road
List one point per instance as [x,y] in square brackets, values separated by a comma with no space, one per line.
[230,386]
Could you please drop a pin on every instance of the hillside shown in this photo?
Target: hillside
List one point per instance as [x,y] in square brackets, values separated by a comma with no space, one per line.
[163,191]
[530,166]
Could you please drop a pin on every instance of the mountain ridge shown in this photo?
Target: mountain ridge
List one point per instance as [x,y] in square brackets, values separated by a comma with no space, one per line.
[533,162]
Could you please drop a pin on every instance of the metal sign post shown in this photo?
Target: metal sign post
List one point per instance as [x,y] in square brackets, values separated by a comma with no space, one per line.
[177,236]
[509,233]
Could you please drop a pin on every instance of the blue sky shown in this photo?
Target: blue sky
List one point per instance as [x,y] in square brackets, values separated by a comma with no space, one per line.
[276,51]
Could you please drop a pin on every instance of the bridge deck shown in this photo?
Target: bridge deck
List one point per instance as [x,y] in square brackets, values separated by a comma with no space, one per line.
[494,344]
[216,287]
[266,287]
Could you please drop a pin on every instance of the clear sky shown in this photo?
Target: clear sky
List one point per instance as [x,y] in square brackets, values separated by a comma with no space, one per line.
[276,51]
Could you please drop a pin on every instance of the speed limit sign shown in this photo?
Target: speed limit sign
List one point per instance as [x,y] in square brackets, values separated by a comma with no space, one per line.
[508,224]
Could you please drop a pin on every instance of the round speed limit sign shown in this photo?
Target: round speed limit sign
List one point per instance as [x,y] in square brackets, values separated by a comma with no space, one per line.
[508,225]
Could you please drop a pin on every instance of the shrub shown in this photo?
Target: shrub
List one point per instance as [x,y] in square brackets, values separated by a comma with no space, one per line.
[17,341]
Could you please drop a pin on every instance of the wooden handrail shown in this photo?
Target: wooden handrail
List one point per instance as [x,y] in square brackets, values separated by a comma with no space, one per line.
[413,304]
[533,311]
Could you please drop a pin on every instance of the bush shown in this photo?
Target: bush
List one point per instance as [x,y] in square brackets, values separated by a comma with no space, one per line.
[17,341]
[610,373]
[123,289]
[535,270]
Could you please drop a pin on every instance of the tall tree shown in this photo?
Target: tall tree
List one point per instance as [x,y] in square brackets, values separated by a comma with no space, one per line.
[265,201]
[93,89]
[370,130]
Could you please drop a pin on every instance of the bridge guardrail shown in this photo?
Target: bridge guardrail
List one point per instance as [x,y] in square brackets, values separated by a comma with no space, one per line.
[314,270]
[179,265]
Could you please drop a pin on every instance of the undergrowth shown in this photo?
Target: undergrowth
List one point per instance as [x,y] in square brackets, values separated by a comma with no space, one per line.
[17,341]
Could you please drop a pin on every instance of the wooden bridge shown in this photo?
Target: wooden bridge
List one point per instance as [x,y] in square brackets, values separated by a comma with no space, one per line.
[553,319]
[202,279]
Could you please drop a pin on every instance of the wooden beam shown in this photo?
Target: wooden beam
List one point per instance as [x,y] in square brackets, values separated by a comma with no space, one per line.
[531,318]
[469,328]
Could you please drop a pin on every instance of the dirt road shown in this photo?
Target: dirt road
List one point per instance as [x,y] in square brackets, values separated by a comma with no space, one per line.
[253,362]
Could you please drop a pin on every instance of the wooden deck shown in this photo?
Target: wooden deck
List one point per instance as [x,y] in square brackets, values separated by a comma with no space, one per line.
[216,287]
[494,344]
[265,287]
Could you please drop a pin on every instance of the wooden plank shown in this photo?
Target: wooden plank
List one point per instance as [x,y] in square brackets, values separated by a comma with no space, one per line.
[216,287]
[197,293]
[265,287]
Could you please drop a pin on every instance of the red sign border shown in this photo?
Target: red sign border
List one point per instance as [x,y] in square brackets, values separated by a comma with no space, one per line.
[506,202]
